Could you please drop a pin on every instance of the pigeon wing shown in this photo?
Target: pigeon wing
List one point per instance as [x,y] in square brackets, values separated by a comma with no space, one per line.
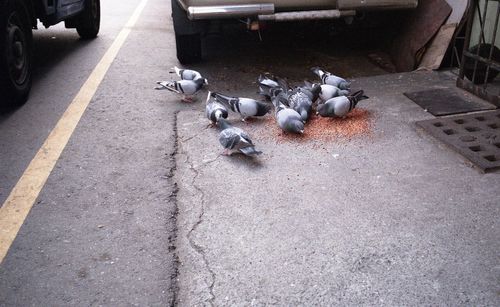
[229,138]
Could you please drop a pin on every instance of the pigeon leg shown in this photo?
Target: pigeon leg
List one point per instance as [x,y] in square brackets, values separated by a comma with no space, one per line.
[227,152]
[186,99]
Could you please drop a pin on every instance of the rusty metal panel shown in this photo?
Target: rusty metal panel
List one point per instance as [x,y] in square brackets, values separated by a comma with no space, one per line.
[420,26]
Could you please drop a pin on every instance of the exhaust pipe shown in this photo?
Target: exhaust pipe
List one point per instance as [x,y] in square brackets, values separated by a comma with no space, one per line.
[306,15]
[229,11]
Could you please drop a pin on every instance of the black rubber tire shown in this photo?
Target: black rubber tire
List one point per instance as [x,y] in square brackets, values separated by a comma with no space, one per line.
[187,35]
[484,51]
[188,48]
[89,20]
[16,53]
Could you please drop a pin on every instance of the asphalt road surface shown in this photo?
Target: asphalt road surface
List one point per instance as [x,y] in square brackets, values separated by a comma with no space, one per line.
[101,231]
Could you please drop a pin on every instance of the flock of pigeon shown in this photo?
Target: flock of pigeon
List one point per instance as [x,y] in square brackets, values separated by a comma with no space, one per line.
[292,106]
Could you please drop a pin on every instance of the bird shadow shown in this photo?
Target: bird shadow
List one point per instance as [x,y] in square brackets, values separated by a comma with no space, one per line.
[251,163]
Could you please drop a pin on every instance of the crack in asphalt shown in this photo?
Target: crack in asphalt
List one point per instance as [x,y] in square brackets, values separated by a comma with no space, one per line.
[198,248]
[172,239]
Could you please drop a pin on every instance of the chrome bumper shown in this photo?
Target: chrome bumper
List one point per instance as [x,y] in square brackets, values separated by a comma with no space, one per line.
[229,11]
[266,11]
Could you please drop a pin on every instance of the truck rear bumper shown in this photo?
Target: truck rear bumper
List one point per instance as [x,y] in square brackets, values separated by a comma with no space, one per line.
[267,10]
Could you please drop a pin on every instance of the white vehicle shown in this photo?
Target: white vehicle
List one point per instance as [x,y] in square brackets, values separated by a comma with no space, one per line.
[191,17]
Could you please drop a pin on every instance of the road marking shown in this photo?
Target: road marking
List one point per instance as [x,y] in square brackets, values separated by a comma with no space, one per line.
[22,197]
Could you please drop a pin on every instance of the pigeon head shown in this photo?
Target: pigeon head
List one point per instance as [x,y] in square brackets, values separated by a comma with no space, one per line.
[344,85]
[295,126]
[304,114]
[321,109]
[316,90]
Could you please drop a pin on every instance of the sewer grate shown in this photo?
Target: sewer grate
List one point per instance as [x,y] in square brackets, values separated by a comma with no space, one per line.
[474,136]
[447,101]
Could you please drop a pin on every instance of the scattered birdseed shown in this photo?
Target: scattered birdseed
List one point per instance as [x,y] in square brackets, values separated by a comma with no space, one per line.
[356,124]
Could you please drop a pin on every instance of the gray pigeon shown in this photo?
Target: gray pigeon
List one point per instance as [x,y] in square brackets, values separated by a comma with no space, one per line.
[329,91]
[340,106]
[331,79]
[297,99]
[266,83]
[235,140]
[188,74]
[311,90]
[288,119]
[214,110]
[185,87]
[247,107]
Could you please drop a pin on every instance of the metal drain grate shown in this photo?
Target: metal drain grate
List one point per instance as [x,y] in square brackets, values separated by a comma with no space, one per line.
[475,136]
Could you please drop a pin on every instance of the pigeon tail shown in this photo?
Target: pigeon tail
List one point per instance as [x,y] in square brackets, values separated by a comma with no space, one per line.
[358,96]
[208,97]
[308,84]
[226,100]
[283,84]
[250,151]
[167,85]
[266,84]
[178,71]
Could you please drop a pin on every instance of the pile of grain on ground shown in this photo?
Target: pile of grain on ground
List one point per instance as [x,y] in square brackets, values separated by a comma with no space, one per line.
[357,123]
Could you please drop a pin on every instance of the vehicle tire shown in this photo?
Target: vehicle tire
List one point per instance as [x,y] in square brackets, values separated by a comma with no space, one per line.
[187,35]
[16,53]
[188,48]
[90,20]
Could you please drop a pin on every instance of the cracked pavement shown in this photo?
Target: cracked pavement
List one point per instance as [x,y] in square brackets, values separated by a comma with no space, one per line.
[141,208]
[392,217]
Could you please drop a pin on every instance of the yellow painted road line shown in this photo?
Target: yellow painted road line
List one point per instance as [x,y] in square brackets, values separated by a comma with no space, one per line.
[22,197]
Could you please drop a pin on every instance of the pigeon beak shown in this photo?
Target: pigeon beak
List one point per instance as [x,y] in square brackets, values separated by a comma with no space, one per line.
[301,131]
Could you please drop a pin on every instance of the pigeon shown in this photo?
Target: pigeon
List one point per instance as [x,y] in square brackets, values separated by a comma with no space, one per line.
[214,110]
[340,106]
[247,107]
[188,74]
[185,87]
[235,140]
[329,91]
[266,83]
[311,90]
[297,99]
[331,79]
[288,119]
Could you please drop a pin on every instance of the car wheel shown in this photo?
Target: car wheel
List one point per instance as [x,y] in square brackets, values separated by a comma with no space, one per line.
[187,35]
[16,50]
[188,48]
[90,20]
